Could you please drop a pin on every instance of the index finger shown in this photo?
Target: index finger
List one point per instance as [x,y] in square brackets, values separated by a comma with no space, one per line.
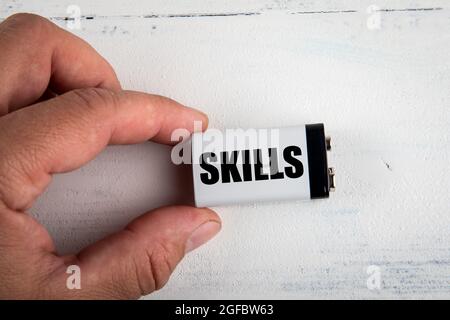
[63,133]
[36,55]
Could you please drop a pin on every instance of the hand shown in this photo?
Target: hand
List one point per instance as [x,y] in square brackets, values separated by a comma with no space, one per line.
[60,105]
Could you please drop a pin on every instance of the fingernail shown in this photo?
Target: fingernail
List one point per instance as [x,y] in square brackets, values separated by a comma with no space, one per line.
[202,234]
[205,119]
[198,111]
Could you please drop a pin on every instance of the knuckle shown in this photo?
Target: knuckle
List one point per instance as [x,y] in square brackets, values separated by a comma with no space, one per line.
[92,104]
[13,164]
[156,269]
[160,266]
[27,22]
[94,99]
[143,269]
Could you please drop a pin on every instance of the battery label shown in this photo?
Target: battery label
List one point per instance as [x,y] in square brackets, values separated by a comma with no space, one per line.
[259,165]
[251,167]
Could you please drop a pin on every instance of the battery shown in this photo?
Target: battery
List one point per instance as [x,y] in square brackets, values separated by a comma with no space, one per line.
[238,166]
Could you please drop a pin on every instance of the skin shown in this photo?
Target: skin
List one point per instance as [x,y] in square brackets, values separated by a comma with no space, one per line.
[60,105]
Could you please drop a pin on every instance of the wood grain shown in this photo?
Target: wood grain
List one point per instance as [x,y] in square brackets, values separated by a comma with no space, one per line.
[377,73]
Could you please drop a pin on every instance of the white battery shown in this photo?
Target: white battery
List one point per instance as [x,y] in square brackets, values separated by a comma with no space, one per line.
[237,166]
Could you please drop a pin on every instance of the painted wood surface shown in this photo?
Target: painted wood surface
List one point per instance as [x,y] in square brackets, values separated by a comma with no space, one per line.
[377,73]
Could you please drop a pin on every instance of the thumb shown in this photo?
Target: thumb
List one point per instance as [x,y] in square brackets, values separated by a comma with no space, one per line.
[140,259]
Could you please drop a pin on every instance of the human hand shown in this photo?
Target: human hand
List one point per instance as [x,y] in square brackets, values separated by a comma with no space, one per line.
[60,105]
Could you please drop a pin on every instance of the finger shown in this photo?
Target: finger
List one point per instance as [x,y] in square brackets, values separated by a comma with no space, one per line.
[37,54]
[64,133]
[140,259]
[26,256]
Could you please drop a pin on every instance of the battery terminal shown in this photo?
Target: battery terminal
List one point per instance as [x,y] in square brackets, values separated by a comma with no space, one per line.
[331,177]
[331,171]
[328,143]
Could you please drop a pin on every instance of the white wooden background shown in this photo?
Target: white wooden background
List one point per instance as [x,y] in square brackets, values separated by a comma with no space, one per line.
[382,89]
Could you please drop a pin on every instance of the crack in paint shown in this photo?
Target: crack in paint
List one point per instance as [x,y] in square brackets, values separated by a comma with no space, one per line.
[235,14]
[409,9]
[201,15]
[324,12]
[160,16]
